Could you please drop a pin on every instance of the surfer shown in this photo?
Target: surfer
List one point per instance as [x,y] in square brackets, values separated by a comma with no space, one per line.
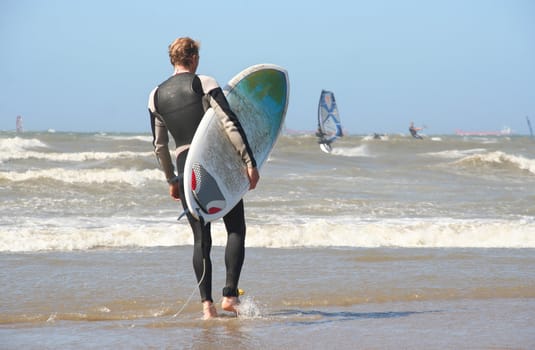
[177,106]
[414,131]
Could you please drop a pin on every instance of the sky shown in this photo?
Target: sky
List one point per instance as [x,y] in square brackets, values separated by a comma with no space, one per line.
[88,66]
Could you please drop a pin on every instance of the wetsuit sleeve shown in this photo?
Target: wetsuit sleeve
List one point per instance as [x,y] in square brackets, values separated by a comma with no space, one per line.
[233,128]
[160,140]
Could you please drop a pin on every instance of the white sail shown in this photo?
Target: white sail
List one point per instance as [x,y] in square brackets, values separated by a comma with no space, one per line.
[329,125]
[19,124]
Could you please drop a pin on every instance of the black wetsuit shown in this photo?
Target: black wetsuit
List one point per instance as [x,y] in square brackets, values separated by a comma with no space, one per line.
[414,133]
[178,105]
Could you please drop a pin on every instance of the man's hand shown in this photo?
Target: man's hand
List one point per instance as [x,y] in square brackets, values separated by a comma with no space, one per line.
[173,191]
[254,176]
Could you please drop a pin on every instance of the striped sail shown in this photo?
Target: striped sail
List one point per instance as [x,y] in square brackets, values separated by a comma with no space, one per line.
[329,126]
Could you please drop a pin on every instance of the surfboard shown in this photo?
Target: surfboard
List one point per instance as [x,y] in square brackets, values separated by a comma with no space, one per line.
[215,177]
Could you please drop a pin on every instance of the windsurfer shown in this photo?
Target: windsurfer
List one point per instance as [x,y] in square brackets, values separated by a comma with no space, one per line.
[320,133]
[329,127]
[323,141]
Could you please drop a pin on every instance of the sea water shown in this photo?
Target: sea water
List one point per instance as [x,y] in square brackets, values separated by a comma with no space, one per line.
[392,243]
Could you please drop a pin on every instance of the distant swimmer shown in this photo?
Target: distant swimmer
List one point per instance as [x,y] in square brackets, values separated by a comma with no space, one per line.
[414,131]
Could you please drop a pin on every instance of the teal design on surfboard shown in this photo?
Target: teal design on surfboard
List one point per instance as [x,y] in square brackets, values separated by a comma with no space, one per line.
[260,103]
[215,176]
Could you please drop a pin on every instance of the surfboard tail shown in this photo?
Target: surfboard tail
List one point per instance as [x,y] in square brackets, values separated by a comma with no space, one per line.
[206,192]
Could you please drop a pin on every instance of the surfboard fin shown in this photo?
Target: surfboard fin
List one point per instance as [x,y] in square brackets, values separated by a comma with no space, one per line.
[184,213]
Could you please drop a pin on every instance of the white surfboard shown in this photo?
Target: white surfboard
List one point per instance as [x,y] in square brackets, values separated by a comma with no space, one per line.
[215,177]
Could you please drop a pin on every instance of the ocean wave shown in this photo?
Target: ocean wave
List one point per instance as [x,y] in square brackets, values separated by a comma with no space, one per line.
[360,151]
[86,176]
[71,157]
[16,145]
[455,153]
[63,234]
[143,138]
[406,233]
[17,148]
[79,234]
[501,159]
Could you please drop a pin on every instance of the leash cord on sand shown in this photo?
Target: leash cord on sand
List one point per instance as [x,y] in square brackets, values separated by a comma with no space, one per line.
[203,267]
[194,290]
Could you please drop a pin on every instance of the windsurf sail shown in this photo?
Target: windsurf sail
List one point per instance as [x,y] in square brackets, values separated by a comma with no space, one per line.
[529,126]
[19,124]
[329,126]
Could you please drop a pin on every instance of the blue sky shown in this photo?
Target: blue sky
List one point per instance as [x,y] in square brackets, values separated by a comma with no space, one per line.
[89,65]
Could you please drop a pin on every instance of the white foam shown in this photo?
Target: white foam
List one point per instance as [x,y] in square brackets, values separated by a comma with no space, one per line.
[83,233]
[87,176]
[455,153]
[11,147]
[249,308]
[17,148]
[71,157]
[360,151]
[499,157]
[143,138]
[397,233]
[77,234]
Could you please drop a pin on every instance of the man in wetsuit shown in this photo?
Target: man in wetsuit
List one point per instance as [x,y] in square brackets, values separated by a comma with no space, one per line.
[322,141]
[177,106]
[414,131]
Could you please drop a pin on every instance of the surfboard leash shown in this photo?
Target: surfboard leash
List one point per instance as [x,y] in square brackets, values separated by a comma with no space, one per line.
[194,290]
[185,212]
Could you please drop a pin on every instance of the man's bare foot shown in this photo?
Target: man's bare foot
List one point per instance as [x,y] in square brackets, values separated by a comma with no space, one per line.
[230,304]
[209,310]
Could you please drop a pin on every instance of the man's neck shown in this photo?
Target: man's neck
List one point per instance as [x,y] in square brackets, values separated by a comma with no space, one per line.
[182,69]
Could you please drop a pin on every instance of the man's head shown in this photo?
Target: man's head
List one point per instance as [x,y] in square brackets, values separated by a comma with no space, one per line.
[184,52]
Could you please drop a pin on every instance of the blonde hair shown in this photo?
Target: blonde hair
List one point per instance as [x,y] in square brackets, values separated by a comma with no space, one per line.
[182,50]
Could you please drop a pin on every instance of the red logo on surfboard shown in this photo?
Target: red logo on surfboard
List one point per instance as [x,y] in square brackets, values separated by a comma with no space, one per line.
[205,190]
